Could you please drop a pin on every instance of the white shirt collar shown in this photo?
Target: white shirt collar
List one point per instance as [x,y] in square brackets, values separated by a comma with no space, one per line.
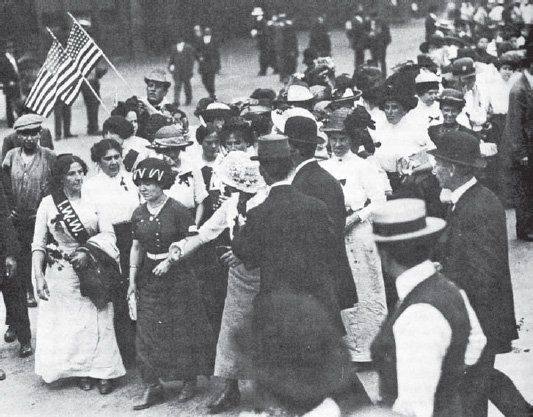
[302,164]
[279,183]
[407,281]
[457,194]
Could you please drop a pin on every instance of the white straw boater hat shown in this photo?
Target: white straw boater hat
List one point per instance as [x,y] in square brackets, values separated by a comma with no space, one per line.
[239,171]
[404,219]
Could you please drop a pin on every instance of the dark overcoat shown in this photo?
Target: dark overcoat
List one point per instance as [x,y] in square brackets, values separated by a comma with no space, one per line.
[315,181]
[474,254]
[183,62]
[290,237]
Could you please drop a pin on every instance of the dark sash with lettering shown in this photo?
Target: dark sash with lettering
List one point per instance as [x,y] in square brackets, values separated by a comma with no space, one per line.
[70,217]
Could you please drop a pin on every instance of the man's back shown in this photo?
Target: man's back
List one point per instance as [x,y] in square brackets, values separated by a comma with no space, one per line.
[474,253]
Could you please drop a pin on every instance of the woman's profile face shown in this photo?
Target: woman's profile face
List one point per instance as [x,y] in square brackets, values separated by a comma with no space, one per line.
[150,190]
[394,111]
[110,163]
[73,179]
[340,144]
[132,118]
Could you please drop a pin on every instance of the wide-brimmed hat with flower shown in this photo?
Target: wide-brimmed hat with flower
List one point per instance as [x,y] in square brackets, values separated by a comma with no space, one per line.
[239,171]
[169,137]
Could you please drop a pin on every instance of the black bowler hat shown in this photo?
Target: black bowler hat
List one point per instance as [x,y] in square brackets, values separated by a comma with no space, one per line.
[460,148]
[302,129]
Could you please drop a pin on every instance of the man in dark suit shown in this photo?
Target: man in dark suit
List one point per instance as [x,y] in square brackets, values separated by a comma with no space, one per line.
[290,235]
[474,254]
[180,65]
[208,57]
[516,148]
[313,180]
[23,123]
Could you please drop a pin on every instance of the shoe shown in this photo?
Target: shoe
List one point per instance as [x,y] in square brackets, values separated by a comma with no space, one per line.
[11,335]
[105,386]
[25,350]
[151,396]
[95,133]
[228,399]
[85,384]
[31,301]
[70,135]
[187,392]
[188,103]
[2,375]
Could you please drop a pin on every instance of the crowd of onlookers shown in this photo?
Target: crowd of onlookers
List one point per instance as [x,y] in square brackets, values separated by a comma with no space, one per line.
[347,222]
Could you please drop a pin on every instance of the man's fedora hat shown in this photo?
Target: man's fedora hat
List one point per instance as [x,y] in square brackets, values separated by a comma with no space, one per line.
[159,76]
[302,129]
[460,148]
[273,146]
[404,219]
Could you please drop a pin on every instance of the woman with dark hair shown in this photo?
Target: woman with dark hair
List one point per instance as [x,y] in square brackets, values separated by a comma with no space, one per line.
[114,193]
[130,112]
[133,148]
[174,338]
[401,140]
[237,135]
[74,337]
[364,191]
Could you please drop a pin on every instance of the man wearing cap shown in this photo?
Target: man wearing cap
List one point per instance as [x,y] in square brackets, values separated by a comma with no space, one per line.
[475,98]
[313,180]
[517,147]
[290,235]
[157,86]
[423,347]
[473,251]
[27,169]
[23,125]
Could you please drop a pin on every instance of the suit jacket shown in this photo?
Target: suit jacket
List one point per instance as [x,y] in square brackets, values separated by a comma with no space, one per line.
[290,237]
[13,141]
[183,62]
[517,140]
[315,181]
[474,253]
[208,58]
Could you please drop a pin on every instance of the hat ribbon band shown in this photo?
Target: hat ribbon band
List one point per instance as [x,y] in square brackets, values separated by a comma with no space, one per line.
[393,229]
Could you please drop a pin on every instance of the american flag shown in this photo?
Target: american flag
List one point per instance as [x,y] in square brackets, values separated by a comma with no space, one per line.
[55,76]
[85,54]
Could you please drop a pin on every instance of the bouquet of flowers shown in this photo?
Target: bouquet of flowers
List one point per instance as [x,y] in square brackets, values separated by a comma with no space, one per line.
[54,255]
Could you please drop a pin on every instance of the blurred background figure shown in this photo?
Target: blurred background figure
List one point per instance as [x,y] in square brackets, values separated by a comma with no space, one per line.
[208,57]
[180,65]
[261,32]
[10,78]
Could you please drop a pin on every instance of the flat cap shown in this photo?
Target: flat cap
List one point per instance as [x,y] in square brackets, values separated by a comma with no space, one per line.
[28,122]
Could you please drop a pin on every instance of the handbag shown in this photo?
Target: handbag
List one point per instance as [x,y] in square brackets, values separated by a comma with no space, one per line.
[101,275]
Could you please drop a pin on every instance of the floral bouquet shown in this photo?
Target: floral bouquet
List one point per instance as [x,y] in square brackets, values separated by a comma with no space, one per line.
[54,255]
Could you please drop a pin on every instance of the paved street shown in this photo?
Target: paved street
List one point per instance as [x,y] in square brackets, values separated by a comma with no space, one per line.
[25,394]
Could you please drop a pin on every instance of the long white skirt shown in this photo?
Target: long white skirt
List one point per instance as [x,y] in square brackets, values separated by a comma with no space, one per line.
[74,338]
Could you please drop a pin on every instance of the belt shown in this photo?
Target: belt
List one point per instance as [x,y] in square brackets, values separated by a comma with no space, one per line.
[157,256]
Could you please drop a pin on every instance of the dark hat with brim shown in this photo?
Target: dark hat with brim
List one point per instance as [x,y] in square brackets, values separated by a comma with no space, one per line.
[452,96]
[302,129]
[335,123]
[273,146]
[460,148]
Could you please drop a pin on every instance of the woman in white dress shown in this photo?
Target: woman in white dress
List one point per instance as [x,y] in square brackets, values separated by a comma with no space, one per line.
[74,337]
[364,190]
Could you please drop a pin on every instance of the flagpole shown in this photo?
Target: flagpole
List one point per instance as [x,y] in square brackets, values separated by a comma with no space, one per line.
[104,55]
[80,74]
